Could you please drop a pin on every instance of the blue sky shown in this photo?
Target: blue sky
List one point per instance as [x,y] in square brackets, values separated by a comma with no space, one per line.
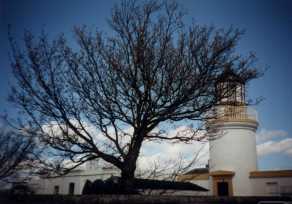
[268,27]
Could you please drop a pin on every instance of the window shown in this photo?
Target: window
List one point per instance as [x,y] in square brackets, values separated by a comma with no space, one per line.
[71,188]
[272,188]
[56,190]
[286,190]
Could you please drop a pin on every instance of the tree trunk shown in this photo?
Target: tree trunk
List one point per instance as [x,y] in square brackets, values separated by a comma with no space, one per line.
[129,167]
[127,179]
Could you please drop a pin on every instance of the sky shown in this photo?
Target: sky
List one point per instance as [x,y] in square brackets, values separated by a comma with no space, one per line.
[268,26]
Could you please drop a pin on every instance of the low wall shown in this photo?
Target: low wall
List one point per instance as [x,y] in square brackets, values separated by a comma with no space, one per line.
[124,199]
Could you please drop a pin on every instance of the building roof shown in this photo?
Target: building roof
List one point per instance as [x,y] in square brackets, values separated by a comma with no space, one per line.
[195,174]
[114,185]
[192,177]
[198,171]
[270,174]
[166,185]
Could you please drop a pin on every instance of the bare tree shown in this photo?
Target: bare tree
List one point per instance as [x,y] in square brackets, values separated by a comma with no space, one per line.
[16,153]
[173,167]
[153,69]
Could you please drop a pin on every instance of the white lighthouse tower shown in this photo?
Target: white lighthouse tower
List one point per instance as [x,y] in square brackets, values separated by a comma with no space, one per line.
[233,152]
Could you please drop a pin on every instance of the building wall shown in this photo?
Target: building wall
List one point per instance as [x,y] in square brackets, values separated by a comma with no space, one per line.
[205,184]
[271,186]
[47,186]
[235,150]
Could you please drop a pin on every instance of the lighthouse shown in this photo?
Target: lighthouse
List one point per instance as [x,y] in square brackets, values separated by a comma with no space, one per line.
[232,169]
[233,151]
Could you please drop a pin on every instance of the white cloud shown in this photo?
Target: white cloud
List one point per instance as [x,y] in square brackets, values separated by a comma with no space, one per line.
[152,152]
[159,153]
[273,142]
[269,142]
[266,135]
[272,147]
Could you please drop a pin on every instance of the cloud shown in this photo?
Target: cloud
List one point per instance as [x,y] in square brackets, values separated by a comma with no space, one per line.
[159,153]
[152,153]
[272,147]
[273,142]
[266,135]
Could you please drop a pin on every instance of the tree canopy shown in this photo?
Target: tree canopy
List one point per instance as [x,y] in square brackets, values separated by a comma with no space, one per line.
[82,99]
[16,153]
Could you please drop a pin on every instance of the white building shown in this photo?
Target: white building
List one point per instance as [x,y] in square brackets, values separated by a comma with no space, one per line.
[73,182]
[232,168]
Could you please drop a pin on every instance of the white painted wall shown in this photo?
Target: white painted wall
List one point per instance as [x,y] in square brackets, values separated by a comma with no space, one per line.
[235,150]
[46,186]
[271,186]
[204,184]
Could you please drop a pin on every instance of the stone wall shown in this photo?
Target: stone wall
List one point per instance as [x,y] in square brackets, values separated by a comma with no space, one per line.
[124,199]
